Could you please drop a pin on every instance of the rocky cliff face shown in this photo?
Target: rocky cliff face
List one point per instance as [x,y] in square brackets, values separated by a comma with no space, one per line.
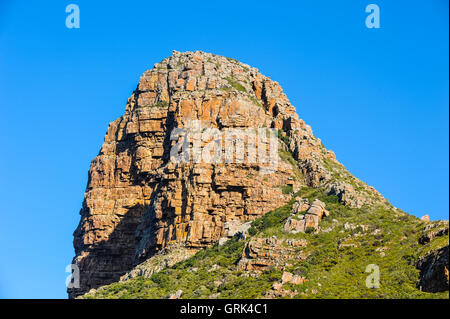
[434,271]
[434,263]
[139,200]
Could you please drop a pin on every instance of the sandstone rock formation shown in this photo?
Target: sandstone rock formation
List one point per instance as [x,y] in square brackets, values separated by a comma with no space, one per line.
[433,230]
[287,277]
[167,257]
[300,205]
[235,228]
[261,253]
[310,220]
[278,291]
[139,201]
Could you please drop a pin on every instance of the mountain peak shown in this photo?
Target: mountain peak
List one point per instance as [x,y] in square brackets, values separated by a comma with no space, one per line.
[206,145]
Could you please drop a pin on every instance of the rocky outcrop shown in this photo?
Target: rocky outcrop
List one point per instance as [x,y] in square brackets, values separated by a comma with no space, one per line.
[235,228]
[278,291]
[261,253]
[433,230]
[434,263]
[167,257]
[310,220]
[300,205]
[141,198]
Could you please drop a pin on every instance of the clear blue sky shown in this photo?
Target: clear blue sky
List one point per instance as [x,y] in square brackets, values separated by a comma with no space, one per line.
[377,97]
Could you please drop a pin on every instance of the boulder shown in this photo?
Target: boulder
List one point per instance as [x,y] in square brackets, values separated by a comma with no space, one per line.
[300,205]
[310,221]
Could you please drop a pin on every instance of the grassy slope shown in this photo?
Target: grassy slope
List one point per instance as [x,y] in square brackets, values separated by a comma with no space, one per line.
[334,272]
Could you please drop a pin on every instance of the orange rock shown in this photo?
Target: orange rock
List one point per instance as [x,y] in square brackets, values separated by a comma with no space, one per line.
[190,84]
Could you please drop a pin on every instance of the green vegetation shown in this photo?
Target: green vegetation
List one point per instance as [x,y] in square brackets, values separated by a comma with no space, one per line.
[210,271]
[380,236]
[232,60]
[284,138]
[255,101]
[286,156]
[235,84]
[287,189]
[271,219]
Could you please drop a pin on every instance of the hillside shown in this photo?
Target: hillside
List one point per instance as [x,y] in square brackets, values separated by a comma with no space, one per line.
[349,239]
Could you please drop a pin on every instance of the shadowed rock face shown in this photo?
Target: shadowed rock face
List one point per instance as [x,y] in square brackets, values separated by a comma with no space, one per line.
[434,264]
[434,270]
[138,201]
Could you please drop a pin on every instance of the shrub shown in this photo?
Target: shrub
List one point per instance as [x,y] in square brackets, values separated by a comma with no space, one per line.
[287,189]
[235,84]
[161,279]
[284,138]
[270,219]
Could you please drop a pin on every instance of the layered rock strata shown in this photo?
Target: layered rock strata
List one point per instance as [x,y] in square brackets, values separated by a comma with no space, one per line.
[261,253]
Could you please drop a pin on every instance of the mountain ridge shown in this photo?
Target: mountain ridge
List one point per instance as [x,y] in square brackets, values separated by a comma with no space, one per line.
[139,202]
